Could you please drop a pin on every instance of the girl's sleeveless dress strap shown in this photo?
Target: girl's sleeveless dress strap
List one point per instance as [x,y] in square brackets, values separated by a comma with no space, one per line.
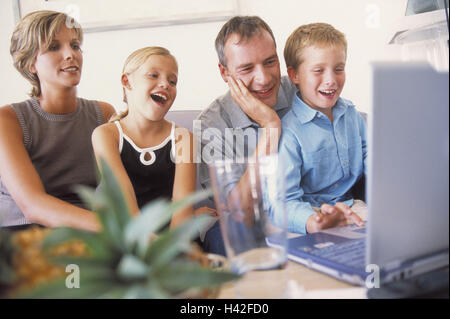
[172,137]
[119,127]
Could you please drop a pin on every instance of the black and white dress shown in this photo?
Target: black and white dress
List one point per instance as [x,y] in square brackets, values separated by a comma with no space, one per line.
[152,169]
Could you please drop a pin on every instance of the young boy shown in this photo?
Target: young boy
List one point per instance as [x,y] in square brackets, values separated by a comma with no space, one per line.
[323,143]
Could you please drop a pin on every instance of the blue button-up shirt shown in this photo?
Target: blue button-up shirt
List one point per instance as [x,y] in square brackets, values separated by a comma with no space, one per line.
[321,160]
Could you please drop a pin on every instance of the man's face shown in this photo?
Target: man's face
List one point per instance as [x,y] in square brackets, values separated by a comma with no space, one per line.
[255,63]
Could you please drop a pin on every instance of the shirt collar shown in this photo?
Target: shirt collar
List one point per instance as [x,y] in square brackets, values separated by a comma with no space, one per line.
[306,114]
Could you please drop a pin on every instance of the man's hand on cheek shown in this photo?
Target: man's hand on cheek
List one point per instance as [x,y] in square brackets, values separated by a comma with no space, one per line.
[259,112]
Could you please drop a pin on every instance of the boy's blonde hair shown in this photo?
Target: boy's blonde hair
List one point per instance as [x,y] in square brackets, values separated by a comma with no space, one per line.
[36,31]
[133,62]
[314,34]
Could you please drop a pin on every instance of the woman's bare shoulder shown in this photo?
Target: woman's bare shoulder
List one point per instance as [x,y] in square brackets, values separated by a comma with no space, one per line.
[8,116]
[7,110]
[107,110]
[107,130]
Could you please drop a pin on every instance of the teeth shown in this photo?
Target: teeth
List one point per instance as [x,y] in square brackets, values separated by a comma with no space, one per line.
[71,69]
[161,96]
[327,91]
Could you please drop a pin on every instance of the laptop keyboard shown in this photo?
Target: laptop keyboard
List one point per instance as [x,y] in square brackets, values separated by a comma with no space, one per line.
[350,253]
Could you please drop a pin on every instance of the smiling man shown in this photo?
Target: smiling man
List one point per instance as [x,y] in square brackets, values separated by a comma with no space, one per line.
[245,121]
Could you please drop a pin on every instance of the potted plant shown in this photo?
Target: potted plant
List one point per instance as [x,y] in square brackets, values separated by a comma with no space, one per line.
[125,259]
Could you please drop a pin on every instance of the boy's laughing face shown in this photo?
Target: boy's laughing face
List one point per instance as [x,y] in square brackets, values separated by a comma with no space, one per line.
[320,77]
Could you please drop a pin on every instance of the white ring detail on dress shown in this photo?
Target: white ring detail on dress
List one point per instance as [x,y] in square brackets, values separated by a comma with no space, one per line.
[152,157]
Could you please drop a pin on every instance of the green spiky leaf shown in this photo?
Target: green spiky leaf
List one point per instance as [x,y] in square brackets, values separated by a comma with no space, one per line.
[132,268]
[153,217]
[139,230]
[169,244]
[115,196]
[185,274]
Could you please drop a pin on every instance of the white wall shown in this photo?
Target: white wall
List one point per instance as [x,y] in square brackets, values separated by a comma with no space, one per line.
[366,23]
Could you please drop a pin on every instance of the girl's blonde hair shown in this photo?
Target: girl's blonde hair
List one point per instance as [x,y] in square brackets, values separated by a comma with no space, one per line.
[133,62]
[36,31]
[314,34]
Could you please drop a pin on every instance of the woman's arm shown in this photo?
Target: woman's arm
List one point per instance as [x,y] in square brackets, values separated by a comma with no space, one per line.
[185,174]
[105,141]
[25,186]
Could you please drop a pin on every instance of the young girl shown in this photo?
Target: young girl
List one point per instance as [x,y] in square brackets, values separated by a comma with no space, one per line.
[45,147]
[140,145]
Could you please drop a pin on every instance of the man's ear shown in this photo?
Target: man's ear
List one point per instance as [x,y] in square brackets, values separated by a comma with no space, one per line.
[125,81]
[292,73]
[224,72]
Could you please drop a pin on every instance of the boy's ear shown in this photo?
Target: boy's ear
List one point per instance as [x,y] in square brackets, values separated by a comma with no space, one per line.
[224,72]
[292,73]
[125,81]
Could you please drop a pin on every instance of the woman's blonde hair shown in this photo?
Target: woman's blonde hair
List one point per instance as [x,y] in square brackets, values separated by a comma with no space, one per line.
[133,62]
[36,31]
[314,34]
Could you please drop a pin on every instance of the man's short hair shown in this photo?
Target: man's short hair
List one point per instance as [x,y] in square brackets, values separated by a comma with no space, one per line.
[314,34]
[244,26]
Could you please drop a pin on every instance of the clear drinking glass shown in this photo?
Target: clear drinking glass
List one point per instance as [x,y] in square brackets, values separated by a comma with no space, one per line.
[253,223]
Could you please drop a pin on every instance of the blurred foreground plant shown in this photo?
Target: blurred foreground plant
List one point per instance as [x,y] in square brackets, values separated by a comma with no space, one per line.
[125,259]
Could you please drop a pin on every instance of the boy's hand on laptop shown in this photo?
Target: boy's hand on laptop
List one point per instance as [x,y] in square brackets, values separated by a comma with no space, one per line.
[253,107]
[332,216]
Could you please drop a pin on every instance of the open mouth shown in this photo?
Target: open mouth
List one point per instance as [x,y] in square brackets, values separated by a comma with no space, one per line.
[70,69]
[327,93]
[263,93]
[159,98]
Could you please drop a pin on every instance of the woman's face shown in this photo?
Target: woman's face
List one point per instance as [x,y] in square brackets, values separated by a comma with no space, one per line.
[59,66]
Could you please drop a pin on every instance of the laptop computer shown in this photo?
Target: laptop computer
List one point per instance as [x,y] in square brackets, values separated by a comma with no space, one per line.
[407,232]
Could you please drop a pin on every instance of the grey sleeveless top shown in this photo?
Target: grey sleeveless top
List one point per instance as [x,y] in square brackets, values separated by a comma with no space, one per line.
[60,149]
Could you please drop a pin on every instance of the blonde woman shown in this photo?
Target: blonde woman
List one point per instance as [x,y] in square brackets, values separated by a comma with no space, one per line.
[45,146]
[151,157]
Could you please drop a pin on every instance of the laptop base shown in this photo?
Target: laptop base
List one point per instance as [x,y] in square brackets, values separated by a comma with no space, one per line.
[430,285]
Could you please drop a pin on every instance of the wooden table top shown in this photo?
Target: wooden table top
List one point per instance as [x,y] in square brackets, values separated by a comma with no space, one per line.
[313,283]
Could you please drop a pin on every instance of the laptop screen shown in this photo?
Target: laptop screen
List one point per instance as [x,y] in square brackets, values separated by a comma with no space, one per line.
[408,177]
